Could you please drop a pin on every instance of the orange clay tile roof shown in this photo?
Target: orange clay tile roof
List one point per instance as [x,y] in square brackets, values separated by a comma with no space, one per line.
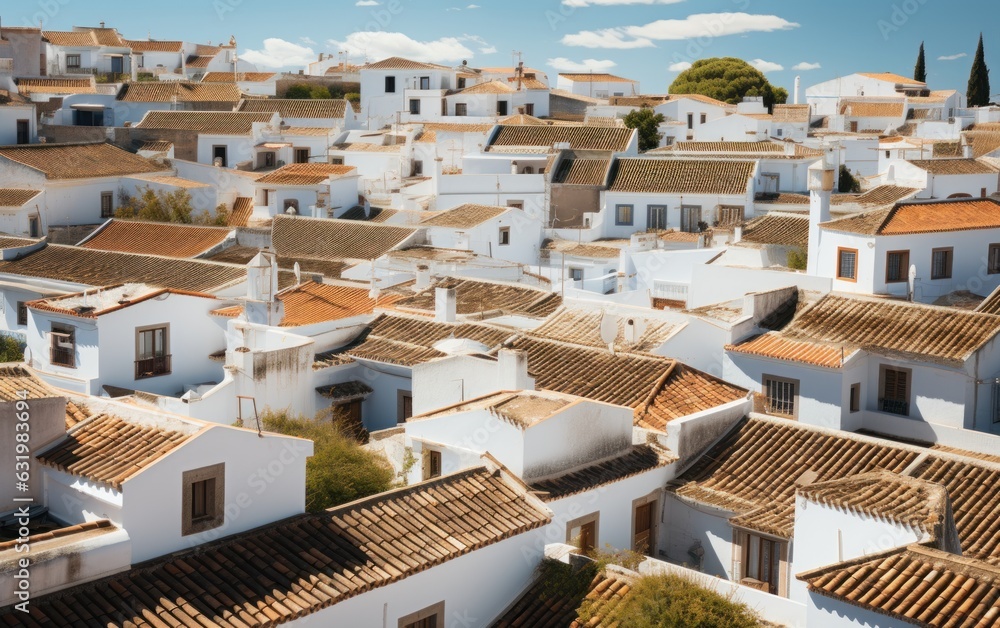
[591,77]
[334,239]
[593,250]
[79,161]
[213,122]
[916,584]
[15,379]
[464,216]
[923,217]
[227,77]
[408,341]
[637,101]
[110,449]
[954,166]
[982,142]
[567,599]
[156,238]
[199,61]
[239,216]
[103,268]
[638,459]
[522,119]
[777,228]
[243,254]
[771,150]
[510,138]
[16,197]
[74,39]
[9,242]
[892,78]
[107,37]
[154,46]
[582,327]
[365,147]
[708,100]
[314,302]
[882,195]
[305,130]
[968,454]
[159,146]
[168,91]
[399,63]
[177,182]
[327,108]
[791,113]
[55,86]
[681,176]
[582,172]
[46,541]
[488,87]
[456,127]
[479,297]
[774,345]
[306,174]
[869,109]
[289,570]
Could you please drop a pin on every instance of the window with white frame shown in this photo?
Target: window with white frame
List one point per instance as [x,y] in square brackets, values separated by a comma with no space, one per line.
[781,395]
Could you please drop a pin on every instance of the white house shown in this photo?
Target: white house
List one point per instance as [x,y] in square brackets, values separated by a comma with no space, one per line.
[319,190]
[20,211]
[502,232]
[222,138]
[390,86]
[158,57]
[333,114]
[825,98]
[86,50]
[18,120]
[947,178]
[597,85]
[253,83]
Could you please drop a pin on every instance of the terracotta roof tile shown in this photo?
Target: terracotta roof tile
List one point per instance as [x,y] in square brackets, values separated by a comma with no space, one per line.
[199,61]
[228,77]
[335,239]
[75,39]
[591,77]
[483,297]
[8,242]
[79,161]
[110,449]
[327,108]
[242,254]
[156,238]
[923,217]
[967,453]
[141,46]
[768,149]
[301,565]
[169,91]
[522,119]
[883,195]
[213,122]
[593,250]
[399,63]
[582,172]
[872,109]
[891,78]
[638,459]
[305,130]
[782,198]
[16,197]
[313,302]
[410,341]
[510,138]
[306,174]
[376,214]
[774,345]
[365,147]
[583,327]
[917,585]
[159,146]
[551,605]
[55,86]
[954,166]
[681,176]
[241,212]
[464,216]
[14,379]
[791,113]
[488,87]
[777,228]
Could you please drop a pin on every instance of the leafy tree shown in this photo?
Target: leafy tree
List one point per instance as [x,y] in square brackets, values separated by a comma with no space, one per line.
[727,79]
[319,92]
[647,124]
[920,70]
[11,349]
[218,219]
[340,470]
[669,601]
[798,258]
[155,206]
[978,94]
[151,207]
[299,90]
[848,183]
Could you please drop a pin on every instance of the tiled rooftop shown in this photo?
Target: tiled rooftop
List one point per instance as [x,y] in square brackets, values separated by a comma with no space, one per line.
[509,138]
[558,605]
[79,161]
[168,91]
[16,197]
[582,172]
[301,565]
[591,77]
[954,166]
[638,459]
[55,86]
[872,109]
[334,239]
[486,297]
[592,250]
[243,254]
[774,345]
[329,108]
[211,122]
[242,210]
[791,113]
[156,238]
[779,229]
[94,303]
[314,302]
[923,217]
[242,77]
[141,46]
[464,216]
[681,176]
[583,327]
[399,63]
[408,341]
[306,174]
[488,87]
[15,379]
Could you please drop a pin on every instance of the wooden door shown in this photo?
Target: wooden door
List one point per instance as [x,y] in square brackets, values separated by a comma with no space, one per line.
[588,537]
[643,527]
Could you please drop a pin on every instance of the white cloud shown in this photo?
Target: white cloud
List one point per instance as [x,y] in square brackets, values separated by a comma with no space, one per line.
[698,25]
[806,66]
[472,6]
[367,3]
[308,41]
[488,50]
[278,53]
[680,66]
[767,66]
[379,45]
[610,3]
[562,64]
[952,57]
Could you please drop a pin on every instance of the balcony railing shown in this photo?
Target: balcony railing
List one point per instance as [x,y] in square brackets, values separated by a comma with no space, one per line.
[894,406]
[152,367]
[63,356]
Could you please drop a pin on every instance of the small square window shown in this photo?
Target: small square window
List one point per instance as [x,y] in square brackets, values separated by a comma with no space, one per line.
[576,274]
[461,109]
[107,204]
[897,266]
[390,85]
[504,236]
[414,106]
[704,118]
[941,263]
[432,464]
[22,313]
[623,214]
[847,264]
[203,492]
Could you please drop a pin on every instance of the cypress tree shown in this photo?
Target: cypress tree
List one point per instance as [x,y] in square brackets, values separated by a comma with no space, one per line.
[920,70]
[978,94]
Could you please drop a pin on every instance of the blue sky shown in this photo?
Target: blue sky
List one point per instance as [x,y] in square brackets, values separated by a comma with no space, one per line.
[648,40]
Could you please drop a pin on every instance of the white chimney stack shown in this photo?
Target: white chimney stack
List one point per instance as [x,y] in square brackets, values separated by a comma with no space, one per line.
[821,178]
[423,277]
[798,87]
[512,366]
[445,305]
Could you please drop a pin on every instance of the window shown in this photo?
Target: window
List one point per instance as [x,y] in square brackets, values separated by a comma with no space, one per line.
[291,206]
[390,85]
[22,313]
[528,170]
[430,617]
[504,236]
[996,402]
[461,83]
[72,62]
[33,229]
[730,215]
[623,214]
[762,562]
[414,106]
[515,204]
[847,264]
[982,192]
[220,156]
[502,108]
[418,167]
[425,82]
[529,109]
[86,117]
[204,497]
[63,346]
[432,464]
[337,161]
[152,357]
[107,204]
[941,263]
[656,217]
[781,396]
[887,154]
[855,401]
[576,274]
[301,155]
[404,405]
[704,118]
[690,121]
[461,109]
[781,132]
[897,266]
[690,218]
[895,389]
[993,259]
[23,132]
[582,532]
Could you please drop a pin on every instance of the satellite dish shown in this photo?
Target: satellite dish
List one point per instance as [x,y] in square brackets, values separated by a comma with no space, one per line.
[634,329]
[609,329]
[912,280]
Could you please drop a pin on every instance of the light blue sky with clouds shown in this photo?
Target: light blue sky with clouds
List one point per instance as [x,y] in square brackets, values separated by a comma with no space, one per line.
[648,40]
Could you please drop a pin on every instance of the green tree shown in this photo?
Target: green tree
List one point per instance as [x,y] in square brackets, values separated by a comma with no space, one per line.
[299,90]
[11,349]
[647,123]
[340,470]
[319,92]
[978,94]
[920,70]
[151,207]
[727,79]
[218,219]
[848,183]
[669,601]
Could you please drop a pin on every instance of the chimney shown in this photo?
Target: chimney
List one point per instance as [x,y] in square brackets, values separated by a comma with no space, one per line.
[967,150]
[102,24]
[445,306]
[513,167]
[423,277]
[798,87]
[821,176]
[512,370]
[737,233]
